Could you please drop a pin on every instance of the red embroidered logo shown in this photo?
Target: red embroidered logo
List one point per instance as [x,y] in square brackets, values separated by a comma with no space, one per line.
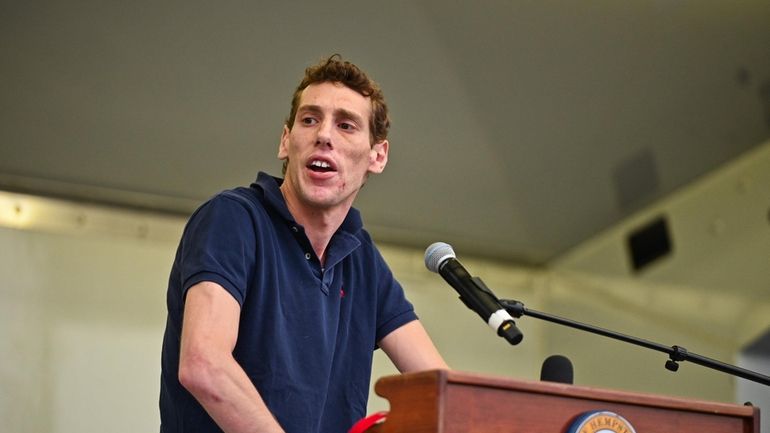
[342,292]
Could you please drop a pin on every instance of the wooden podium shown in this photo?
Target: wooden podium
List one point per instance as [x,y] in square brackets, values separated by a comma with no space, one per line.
[455,402]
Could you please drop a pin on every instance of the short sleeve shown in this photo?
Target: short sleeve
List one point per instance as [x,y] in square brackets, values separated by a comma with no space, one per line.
[218,245]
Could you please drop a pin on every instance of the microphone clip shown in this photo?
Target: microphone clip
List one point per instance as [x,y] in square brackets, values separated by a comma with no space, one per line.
[513,307]
[506,327]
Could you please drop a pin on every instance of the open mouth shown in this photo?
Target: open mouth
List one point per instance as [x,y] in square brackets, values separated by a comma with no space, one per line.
[320,166]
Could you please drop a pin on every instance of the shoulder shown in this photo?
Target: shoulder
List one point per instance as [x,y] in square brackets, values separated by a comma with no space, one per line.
[248,198]
[239,200]
[236,210]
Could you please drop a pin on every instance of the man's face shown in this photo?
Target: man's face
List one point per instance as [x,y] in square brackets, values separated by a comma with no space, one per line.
[329,149]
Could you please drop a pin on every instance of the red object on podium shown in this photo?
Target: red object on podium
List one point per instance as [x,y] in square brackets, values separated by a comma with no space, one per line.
[443,401]
[370,421]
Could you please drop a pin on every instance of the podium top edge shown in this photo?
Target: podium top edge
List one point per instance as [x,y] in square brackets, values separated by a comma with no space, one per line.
[449,378]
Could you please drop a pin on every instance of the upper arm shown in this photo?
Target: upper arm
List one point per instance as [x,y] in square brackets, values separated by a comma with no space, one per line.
[410,349]
[210,323]
[207,368]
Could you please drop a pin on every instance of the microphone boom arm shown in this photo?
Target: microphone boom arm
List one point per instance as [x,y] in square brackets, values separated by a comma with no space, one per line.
[676,354]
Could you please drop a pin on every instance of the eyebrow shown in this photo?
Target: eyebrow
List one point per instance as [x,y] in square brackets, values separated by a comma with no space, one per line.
[339,112]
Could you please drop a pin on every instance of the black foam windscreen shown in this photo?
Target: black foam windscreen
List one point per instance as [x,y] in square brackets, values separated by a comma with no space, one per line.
[557,368]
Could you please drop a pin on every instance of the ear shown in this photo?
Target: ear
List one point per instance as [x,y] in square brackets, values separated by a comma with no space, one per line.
[283,147]
[378,157]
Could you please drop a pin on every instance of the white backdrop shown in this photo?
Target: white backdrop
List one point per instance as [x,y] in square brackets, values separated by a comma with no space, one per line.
[82,311]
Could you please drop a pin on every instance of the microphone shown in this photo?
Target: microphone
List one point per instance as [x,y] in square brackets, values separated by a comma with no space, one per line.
[440,258]
[557,368]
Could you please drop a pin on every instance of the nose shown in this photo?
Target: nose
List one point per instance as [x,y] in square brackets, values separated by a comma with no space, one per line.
[324,133]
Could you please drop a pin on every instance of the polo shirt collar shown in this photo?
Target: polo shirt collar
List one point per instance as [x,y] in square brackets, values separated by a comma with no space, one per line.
[270,186]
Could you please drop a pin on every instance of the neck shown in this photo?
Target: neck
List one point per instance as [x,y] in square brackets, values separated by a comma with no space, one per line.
[320,223]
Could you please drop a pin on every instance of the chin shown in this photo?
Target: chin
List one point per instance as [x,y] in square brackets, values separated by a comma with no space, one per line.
[327,201]
[319,198]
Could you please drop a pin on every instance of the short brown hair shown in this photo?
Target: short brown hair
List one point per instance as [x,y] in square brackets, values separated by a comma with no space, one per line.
[335,70]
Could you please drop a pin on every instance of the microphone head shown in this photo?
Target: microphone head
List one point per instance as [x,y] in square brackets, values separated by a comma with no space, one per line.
[557,368]
[436,254]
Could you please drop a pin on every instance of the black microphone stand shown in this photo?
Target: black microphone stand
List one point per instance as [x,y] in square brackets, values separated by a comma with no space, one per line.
[676,354]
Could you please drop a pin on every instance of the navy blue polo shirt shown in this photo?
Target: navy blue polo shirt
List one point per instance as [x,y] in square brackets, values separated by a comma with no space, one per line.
[307,333]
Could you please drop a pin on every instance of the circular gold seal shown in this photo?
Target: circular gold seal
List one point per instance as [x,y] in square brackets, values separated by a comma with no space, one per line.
[600,421]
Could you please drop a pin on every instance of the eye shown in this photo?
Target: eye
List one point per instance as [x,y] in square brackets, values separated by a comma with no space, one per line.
[347,126]
[307,120]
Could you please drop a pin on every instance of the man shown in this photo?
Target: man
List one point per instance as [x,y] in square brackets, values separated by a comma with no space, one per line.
[277,296]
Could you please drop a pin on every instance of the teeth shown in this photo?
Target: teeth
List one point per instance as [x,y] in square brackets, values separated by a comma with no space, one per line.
[321,164]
